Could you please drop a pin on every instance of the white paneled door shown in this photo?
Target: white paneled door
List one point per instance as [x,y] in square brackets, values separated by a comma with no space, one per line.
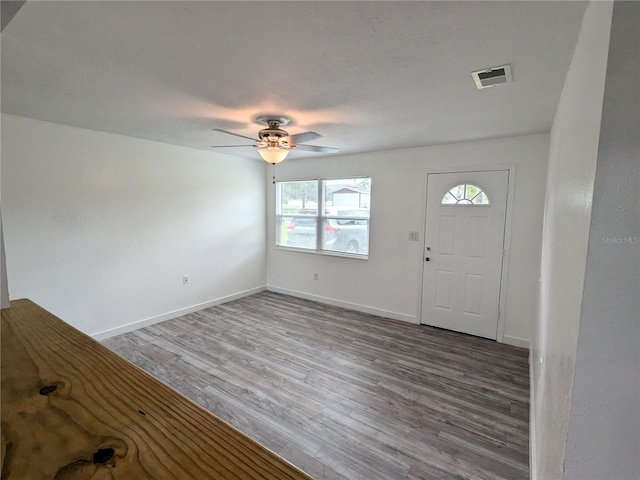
[464,246]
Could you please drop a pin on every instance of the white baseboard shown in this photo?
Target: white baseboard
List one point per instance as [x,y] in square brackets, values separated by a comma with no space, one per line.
[340,303]
[175,313]
[533,471]
[517,342]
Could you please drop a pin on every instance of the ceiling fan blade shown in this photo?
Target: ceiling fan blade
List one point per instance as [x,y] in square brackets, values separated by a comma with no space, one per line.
[303,137]
[230,146]
[234,134]
[316,148]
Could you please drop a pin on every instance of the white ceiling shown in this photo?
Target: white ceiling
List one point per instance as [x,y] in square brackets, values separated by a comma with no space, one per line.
[365,75]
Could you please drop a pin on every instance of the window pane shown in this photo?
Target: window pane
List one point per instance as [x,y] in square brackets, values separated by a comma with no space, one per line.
[481,199]
[299,232]
[458,191]
[472,191]
[449,199]
[346,215]
[351,237]
[297,214]
[298,197]
[348,192]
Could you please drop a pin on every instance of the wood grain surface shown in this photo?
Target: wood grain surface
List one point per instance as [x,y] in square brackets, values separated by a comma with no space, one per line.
[347,395]
[73,410]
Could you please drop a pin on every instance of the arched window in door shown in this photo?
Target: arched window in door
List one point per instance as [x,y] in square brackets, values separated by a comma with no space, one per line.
[465,194]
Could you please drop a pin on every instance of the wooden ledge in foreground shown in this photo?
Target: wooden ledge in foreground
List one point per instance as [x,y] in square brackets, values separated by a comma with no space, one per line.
[72,409]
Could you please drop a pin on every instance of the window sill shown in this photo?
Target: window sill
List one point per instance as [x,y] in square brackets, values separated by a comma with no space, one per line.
[328,253]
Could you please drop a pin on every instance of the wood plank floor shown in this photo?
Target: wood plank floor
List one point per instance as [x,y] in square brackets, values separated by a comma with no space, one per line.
[342,394]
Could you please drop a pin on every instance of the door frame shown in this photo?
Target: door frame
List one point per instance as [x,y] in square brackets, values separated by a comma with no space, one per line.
[511,168]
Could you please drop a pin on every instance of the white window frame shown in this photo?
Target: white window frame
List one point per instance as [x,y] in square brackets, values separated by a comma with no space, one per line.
[320,217]
[465,202]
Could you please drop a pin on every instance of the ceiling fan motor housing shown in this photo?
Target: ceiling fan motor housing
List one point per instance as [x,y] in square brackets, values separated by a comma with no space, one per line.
[274,136]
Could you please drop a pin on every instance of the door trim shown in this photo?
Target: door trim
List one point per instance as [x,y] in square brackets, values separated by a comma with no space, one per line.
[511,167]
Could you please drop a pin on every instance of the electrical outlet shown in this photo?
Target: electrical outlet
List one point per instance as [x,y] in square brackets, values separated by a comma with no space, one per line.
[414,236]
[315,276]
[185,279]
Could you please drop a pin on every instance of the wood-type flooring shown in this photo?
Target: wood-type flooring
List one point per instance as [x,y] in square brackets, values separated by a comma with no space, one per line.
[347,395]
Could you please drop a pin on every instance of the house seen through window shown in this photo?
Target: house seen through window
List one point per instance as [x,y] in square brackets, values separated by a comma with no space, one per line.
[328,216]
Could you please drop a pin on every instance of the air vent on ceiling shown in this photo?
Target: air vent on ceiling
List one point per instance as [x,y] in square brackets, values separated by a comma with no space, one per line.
[490,77]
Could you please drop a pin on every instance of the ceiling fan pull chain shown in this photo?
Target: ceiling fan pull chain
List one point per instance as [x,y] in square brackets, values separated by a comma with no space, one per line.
[274,173]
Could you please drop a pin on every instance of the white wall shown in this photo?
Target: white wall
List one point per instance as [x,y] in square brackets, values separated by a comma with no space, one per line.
[572,163]
[604,424]
[100,228]
[388,283]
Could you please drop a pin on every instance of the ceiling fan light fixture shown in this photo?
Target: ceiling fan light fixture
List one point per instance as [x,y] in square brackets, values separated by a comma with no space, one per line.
[273,155]
[274,143]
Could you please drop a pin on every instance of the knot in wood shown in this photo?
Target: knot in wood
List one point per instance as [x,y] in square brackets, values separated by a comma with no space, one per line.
[103,455]
[48,389]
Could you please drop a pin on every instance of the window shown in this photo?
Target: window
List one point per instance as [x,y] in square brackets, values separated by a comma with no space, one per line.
[465,194]
[324,216]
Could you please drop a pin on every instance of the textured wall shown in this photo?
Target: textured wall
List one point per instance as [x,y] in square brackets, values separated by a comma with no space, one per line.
[572,163]
[604,424]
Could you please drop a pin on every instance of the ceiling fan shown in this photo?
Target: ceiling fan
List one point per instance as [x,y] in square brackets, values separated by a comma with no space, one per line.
[274,143]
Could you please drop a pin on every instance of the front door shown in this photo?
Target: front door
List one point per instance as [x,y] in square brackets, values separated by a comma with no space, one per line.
[464,246]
